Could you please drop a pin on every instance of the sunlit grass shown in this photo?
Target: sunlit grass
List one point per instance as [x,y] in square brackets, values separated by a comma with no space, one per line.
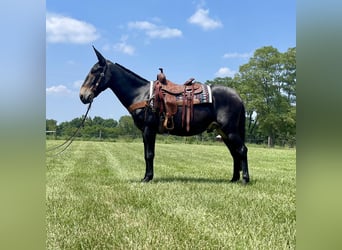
[95,199]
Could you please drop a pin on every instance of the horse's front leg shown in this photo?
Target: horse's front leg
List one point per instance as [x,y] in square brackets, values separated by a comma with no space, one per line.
[149,137]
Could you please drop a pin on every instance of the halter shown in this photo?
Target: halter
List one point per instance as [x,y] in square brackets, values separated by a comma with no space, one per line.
[102,74]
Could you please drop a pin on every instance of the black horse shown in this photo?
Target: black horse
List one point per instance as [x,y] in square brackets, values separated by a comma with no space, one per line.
[226,113]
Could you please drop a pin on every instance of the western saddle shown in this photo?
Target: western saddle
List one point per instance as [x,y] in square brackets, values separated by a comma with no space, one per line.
[169,95]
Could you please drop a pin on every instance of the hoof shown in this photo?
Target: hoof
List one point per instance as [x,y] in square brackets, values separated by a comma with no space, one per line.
[235,179]
[146,179]
[245,181]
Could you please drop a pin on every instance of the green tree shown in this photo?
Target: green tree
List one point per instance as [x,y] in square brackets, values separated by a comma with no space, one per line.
[51,125]
[271,75]
[127,127]
[97,120]
[289,77]
[110,123]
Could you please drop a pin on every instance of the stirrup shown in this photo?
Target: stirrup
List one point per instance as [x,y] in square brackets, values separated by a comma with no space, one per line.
[166,121]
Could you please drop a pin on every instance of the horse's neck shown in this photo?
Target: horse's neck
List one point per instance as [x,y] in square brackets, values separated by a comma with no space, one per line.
[128,88]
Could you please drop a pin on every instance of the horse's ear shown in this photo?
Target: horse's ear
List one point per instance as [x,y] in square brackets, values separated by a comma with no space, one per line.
[102,60]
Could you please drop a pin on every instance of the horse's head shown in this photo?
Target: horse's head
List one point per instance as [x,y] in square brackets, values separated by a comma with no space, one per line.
[96,81]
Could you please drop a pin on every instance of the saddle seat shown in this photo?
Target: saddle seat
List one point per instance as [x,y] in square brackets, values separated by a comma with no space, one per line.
[178,89]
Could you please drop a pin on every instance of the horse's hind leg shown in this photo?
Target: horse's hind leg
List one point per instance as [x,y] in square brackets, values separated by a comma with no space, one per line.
[236,164]
[238,151]
[242,152]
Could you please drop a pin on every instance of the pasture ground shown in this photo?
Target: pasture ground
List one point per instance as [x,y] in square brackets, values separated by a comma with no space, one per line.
[94,198]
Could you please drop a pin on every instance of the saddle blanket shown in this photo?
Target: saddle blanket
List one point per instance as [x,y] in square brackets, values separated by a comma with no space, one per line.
[204,97]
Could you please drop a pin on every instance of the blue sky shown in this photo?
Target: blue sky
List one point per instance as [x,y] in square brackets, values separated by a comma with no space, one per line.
[200,39]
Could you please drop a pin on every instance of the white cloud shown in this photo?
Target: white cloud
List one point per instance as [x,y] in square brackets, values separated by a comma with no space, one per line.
[238,55]
[155,31]
[164,33]
[124,48]
[202,19]
[121,46]
[58,90]
[224,72]
[142,25]
[63,29]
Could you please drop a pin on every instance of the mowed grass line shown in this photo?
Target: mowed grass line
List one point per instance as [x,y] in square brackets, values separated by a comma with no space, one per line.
[95,199]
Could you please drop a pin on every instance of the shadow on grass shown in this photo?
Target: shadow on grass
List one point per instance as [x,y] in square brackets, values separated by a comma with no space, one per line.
[171,179]
[190,179]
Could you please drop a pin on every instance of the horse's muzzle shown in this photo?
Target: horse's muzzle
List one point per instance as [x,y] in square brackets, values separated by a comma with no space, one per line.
[86,95]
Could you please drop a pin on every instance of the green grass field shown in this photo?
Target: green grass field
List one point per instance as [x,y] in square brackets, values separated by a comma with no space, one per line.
[95,199]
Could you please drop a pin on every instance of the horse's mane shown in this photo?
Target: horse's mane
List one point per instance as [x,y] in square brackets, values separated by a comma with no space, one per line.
[130,72]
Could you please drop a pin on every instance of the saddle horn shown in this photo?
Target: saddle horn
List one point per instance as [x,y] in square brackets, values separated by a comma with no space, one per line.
[161,77]
[102,60]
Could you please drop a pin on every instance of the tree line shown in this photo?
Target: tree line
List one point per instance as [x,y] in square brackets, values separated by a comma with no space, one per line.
[96,127]
[266,84]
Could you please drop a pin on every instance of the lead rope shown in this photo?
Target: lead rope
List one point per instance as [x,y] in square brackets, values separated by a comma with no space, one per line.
[70,139]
